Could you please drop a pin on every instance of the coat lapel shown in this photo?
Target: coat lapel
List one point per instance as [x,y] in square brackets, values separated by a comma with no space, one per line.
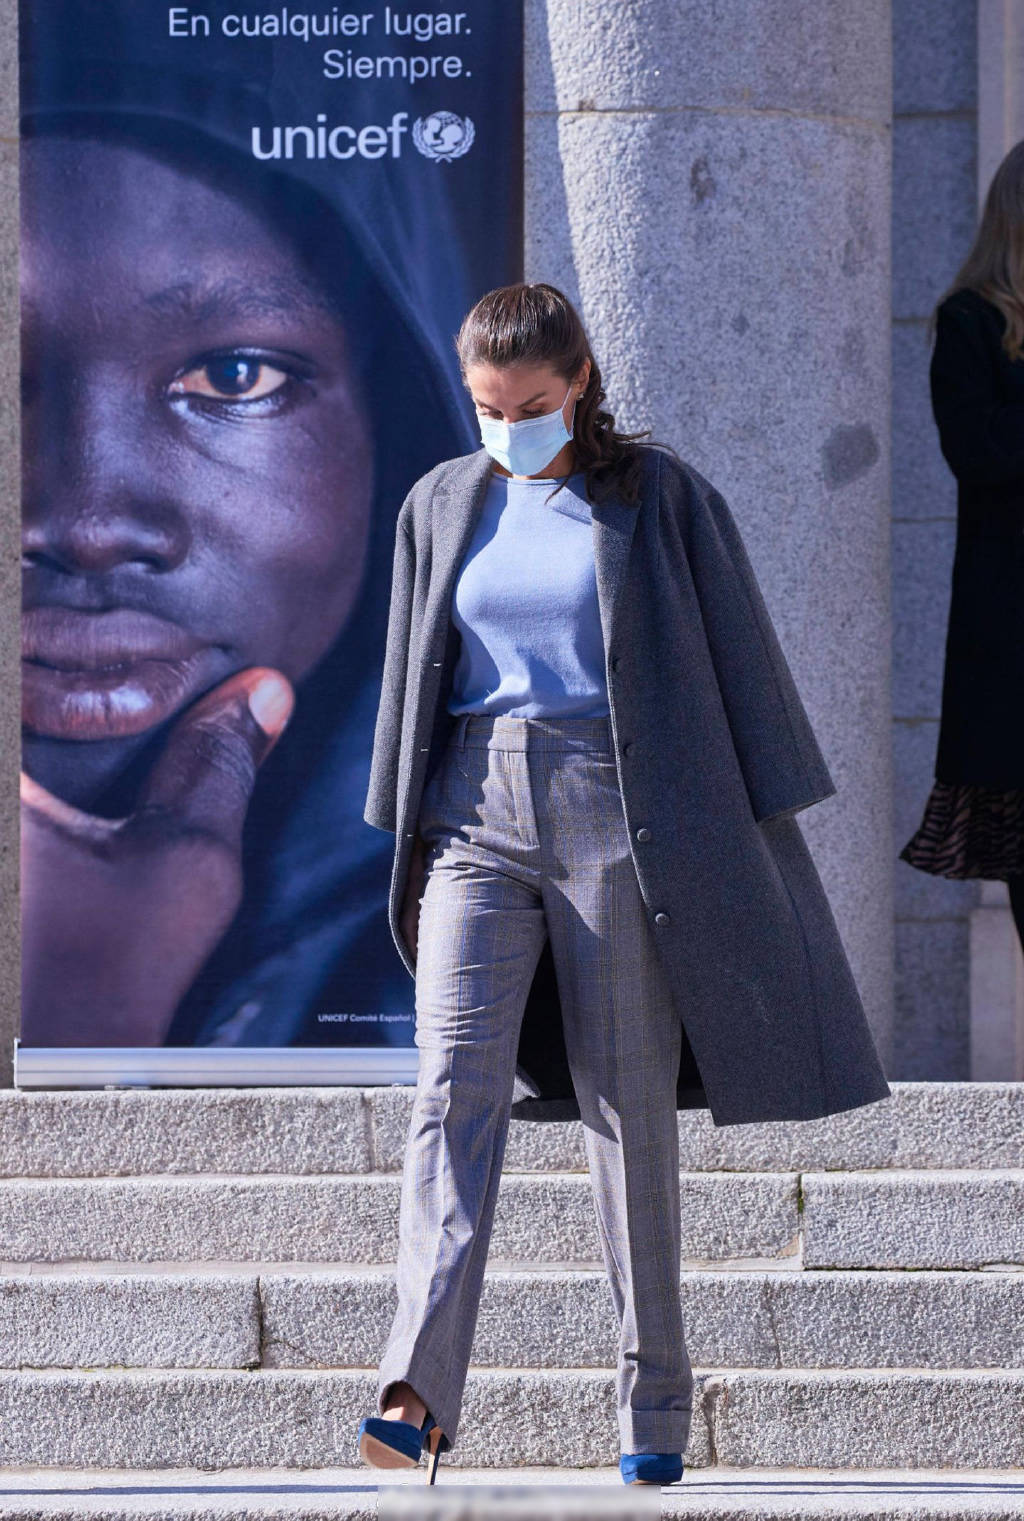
[455,508]
[614,524]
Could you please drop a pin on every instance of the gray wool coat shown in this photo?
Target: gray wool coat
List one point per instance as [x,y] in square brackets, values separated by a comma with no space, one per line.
[715,755]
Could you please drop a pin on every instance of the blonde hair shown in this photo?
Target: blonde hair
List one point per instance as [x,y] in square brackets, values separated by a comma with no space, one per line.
[994,267]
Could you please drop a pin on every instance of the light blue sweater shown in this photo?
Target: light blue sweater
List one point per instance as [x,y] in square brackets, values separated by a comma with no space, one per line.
[525,605]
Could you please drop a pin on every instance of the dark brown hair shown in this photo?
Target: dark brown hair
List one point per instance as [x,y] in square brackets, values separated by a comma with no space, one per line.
[537,324]
[994,266]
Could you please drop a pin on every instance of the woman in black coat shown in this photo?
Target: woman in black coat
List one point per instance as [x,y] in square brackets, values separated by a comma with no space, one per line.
[973,824]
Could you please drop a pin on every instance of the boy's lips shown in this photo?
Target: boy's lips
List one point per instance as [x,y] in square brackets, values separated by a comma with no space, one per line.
[71,640]
[107,674]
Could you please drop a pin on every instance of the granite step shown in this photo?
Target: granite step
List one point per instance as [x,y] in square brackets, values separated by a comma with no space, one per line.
[760,1418]
[938,1218]
[330,1494]
[330,1317]
[542,1494]
[93,1132]
[539,1218]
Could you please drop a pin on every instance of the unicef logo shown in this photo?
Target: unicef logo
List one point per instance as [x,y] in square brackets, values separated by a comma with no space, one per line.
[443,136]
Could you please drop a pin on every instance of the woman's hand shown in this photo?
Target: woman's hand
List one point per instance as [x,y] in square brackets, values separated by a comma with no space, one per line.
[409,917]
[118,915]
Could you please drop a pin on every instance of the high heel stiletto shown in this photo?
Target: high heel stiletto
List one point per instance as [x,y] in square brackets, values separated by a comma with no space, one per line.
[442,1446]
[400,1444]
[650,1467]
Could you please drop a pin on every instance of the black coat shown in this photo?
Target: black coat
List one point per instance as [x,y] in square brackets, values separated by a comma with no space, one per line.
[978,401]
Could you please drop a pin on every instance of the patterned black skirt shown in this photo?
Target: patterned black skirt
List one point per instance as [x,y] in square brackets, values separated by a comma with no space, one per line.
[969,831]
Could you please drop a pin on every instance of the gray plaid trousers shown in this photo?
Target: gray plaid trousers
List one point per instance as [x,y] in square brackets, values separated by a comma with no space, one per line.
[526,838]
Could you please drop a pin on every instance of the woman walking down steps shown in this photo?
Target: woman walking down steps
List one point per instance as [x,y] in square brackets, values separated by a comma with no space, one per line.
[591,751]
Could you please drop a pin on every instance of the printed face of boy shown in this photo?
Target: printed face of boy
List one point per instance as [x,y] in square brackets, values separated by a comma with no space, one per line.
[197,459]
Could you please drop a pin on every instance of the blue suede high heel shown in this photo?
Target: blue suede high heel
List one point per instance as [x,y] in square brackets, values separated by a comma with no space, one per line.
[650,1467]
[400,1444]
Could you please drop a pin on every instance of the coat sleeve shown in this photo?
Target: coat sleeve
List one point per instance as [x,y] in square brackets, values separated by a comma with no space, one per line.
[778,753]
[380,809]
[981,433]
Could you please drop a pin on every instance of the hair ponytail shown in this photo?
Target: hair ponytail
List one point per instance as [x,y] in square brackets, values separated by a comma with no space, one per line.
[537,324]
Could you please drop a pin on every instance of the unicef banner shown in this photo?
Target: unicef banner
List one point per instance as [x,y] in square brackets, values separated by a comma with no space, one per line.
[248,238]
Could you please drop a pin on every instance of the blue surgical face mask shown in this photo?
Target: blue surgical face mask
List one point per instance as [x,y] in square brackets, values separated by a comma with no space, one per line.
[525,447]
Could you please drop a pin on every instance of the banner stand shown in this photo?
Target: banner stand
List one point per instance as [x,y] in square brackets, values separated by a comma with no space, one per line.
[241,360]
[212,1066]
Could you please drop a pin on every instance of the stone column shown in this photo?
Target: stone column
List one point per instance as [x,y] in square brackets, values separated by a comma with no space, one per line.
[1000,85]
[711,185]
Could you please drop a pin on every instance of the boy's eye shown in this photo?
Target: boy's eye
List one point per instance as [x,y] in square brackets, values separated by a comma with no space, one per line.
[231,375]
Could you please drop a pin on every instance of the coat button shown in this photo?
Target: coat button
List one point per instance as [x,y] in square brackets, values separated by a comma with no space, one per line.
[662,919]
[615,662]
[643,834]
[627,748]
[437,665]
